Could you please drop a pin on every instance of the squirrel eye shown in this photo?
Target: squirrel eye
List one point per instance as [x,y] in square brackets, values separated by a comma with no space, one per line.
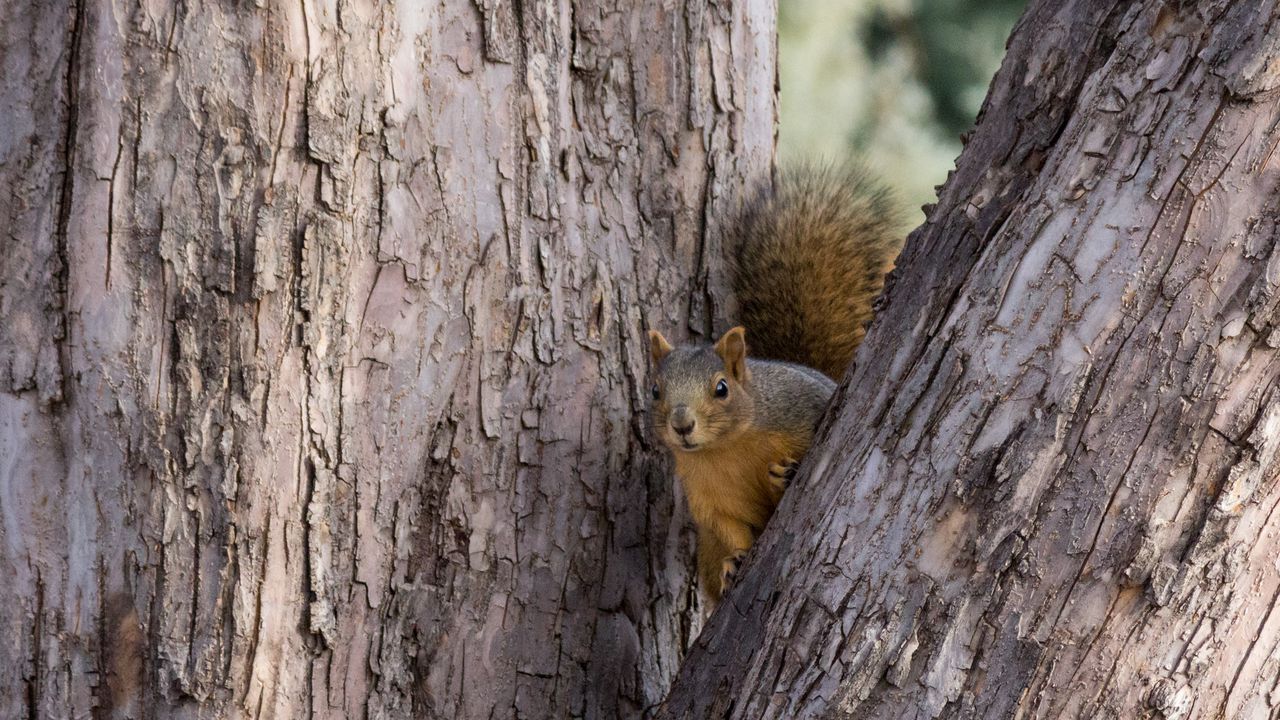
[656,394]
[722,389]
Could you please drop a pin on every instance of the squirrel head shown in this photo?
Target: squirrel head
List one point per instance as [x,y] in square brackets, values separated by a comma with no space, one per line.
[700,395]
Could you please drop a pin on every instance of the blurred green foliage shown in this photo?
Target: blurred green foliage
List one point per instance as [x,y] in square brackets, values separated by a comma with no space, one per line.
[893,82]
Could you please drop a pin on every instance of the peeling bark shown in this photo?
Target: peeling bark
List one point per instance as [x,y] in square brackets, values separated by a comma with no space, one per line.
[321,359]
[1048,485]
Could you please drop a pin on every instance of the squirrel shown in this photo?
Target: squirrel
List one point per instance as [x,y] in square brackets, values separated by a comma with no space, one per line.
[808,259]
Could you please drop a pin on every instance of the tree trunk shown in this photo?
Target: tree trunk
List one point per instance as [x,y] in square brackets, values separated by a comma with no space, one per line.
[1048,485]
[322,349]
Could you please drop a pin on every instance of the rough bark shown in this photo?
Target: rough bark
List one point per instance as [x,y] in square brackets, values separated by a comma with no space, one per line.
[1048,485]
[321,354]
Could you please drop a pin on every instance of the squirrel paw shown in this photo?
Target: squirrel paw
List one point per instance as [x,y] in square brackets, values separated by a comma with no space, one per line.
[783,472]
[729,570]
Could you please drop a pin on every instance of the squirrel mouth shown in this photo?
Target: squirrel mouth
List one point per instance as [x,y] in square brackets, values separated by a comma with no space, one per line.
[686,445]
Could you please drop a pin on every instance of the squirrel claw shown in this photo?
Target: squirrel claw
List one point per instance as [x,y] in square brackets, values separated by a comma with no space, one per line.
[729,571]
[784,472]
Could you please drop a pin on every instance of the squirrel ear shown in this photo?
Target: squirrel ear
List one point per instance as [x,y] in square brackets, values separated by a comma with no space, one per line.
[659,348]
[732,349]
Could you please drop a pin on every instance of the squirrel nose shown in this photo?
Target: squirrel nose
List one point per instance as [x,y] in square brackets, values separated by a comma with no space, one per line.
[682,420]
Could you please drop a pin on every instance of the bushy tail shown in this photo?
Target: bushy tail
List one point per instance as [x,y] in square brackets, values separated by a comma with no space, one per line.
[809,262]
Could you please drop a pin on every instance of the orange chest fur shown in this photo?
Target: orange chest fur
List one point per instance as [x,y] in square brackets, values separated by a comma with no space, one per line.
[732,482]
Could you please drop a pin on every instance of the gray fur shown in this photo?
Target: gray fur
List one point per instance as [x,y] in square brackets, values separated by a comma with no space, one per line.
[788,395]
